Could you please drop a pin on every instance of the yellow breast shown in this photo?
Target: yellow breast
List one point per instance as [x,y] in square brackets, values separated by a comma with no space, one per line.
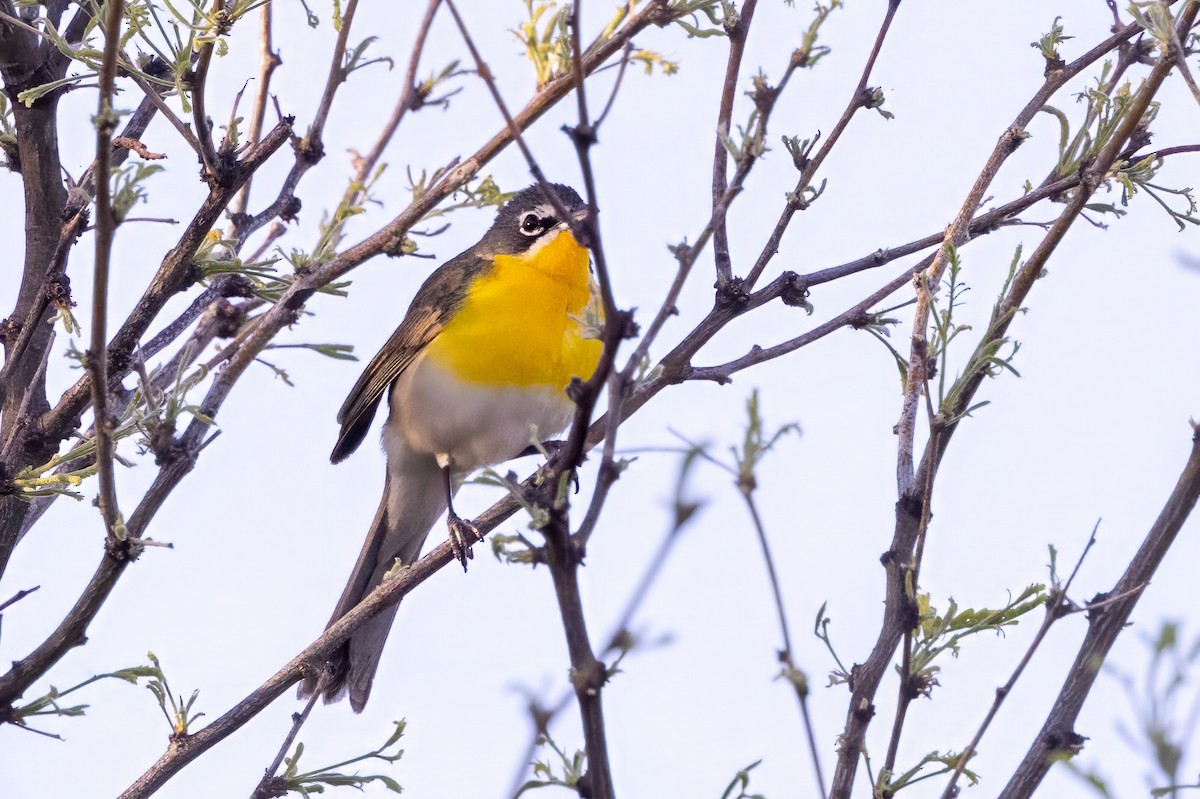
[522,324]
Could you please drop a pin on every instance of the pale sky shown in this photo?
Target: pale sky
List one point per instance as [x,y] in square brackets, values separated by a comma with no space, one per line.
[266,530]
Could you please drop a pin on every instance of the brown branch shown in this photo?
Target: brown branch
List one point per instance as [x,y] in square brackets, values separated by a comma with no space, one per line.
[311,149]
[898,606]
[410,98]
[97,355]
[223,287]
[267,787]
[268,61]
[1058,605]
[1105,623]
[26,64]
[174,274]
[130,143]
[910,688]
[618,641]
[17,597]
[584,135]
[199,83]
[792,673]
[957,233]
[562,553]
[737,34]
[853,315]
[54,283]
[860,98]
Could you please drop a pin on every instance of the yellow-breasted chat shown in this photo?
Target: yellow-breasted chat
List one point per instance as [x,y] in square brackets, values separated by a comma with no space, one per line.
[475,373]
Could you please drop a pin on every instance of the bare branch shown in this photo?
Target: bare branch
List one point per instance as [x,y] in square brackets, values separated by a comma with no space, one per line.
[791,672]
[174,274]
[1105,623]
[264,788]
[860,98]
[97,358]
[311,149]
[409,97]
[737,33]
[268,61]
[957,233]
[1058,605]
[199,81]
[17,597]
[910,507]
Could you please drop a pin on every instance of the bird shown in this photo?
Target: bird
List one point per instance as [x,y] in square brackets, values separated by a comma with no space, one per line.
[476,374]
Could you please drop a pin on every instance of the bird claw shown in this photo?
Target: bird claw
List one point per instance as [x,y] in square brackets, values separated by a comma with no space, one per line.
[462,535]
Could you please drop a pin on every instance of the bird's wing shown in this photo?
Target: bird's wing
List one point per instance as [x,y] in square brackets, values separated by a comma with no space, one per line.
[435,303]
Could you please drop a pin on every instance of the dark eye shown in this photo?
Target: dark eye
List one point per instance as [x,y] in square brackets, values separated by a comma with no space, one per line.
[532,224]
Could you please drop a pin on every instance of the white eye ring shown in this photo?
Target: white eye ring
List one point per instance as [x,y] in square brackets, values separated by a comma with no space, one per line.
[532,224]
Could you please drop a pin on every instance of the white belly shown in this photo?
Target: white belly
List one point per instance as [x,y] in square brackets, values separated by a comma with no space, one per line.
[470,425]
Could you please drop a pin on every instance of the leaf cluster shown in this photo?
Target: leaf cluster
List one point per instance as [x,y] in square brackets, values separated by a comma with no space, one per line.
[307,783]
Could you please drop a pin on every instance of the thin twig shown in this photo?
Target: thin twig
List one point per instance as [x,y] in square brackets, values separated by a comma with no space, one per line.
[588,673]
[869,673]
[736,34]
[97,357]
[17,597]
[907,691]
[860,98]
[268,61]
[957,233]
[791,673]
[612,97]
[1058,605]
[298,720]
[409,97]
[309,150]
[1107,618]
[199,82]
[130,143]
[617,641]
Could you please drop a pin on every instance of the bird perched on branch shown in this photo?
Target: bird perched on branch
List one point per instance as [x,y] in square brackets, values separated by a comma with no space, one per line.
[475,374]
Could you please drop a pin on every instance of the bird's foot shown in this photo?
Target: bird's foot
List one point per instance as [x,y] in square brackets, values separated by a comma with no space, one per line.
[462,535]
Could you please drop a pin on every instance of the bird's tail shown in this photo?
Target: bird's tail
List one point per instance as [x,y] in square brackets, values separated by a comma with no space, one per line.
[414,497]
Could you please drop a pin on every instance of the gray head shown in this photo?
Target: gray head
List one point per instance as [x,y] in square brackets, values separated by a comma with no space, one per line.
[530,217]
